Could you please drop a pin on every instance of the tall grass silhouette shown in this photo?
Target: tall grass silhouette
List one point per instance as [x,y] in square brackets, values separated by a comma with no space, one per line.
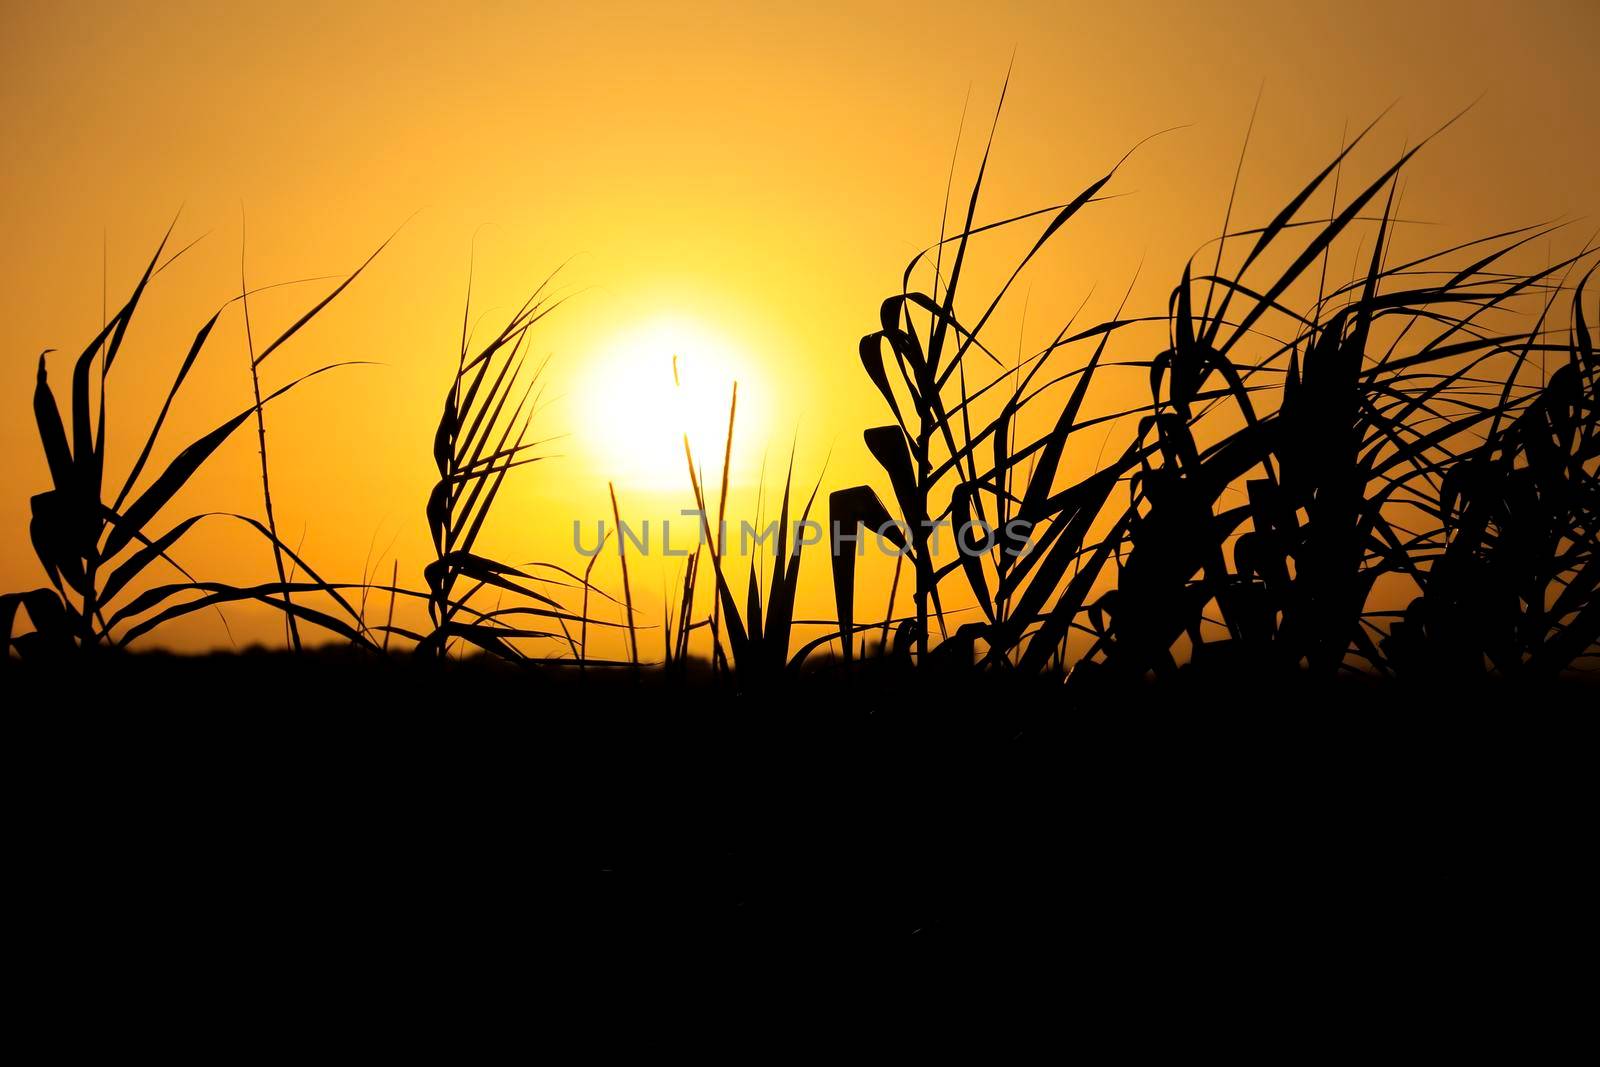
[478,442]
[481,437]
[92,548]
[1304,446]
[758,637]
[1515,573]
[1343,481]
[1339,443]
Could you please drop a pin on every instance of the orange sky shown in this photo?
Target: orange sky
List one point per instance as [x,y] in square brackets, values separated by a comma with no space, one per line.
[740,183]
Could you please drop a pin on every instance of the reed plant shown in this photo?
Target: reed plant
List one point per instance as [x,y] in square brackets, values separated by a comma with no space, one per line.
[1386,432]
[95,537]
[481,437]
[1306,446]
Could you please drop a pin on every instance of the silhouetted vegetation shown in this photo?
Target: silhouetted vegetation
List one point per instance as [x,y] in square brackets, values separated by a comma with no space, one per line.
[1386,430]
[1328,508]
[479,441]
[90,548]
[1307,446]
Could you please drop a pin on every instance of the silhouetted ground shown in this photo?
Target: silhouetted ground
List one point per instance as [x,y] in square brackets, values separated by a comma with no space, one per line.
[331,808]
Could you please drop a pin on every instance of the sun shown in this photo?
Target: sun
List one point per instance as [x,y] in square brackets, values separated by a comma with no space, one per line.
[655,382]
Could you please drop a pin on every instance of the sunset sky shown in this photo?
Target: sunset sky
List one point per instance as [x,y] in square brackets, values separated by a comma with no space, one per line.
[736,184]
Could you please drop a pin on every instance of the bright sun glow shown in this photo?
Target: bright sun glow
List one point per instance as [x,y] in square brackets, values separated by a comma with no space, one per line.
[636,415]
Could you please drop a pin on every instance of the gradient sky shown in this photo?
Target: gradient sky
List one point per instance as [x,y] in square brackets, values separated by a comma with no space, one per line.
[733,182]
